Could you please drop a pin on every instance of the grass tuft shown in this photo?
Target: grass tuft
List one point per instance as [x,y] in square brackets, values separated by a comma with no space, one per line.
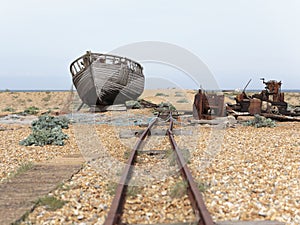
[111,188]
[170,154]
[127,153]
[51,203]
[24,167]
[132,191]
[202,186]
[179,190]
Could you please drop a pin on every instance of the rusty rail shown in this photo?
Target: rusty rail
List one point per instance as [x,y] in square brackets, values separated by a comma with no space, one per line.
[115,213]
[201,212]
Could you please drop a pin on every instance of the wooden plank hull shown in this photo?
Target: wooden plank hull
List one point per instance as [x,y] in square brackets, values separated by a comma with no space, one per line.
[103,80]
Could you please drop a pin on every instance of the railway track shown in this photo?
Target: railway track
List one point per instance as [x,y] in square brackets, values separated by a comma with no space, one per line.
[116,210]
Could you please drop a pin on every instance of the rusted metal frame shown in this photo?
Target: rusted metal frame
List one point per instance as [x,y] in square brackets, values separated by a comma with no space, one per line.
[115,213]
[193,191]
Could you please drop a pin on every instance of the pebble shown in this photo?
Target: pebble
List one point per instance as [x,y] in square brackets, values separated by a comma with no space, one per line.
[80,217]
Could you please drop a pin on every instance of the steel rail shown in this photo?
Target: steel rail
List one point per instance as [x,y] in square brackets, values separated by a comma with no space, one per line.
[202,214]
[115,213]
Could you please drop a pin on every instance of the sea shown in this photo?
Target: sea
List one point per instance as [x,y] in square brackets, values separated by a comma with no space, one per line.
[227,90]
[33,90]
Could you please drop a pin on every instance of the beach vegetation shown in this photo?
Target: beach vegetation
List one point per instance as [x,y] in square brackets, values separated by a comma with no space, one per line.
[111,188]
[179,94]
[51,203]
[161,94]
[179,189]
[132,191]
[260,121]
[47,130]
[32,110]
[167,106]
[171,155]
[24,167]
[183,100]
[202,186]
[8,109]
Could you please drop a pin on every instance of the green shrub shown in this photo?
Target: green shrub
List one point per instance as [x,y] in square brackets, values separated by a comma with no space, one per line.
[161,94]
[32,110]
[260,121]
[179,94]
[183,100]
[166,106]
[47,121]
[8,109]
[47,130]
[133,104]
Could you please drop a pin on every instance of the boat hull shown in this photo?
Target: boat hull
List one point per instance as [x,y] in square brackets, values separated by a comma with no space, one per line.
[107,80]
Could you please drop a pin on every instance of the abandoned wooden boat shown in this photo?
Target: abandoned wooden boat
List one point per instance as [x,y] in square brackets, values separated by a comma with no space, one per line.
[102,79]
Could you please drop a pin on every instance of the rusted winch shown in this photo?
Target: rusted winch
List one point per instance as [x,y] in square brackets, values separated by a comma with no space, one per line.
[270,100]
[269,103]
[208,105]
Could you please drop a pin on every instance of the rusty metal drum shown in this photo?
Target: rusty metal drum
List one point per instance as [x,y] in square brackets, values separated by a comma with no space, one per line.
[255,106]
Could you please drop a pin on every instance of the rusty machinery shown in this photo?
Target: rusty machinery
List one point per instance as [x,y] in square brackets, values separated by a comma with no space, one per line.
[270,100]
[269,103]
[208,105]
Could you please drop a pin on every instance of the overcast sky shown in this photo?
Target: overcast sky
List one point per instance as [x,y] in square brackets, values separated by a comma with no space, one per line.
[236,39]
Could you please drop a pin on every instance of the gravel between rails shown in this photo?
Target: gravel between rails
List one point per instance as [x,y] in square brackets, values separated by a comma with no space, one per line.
[160,196]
